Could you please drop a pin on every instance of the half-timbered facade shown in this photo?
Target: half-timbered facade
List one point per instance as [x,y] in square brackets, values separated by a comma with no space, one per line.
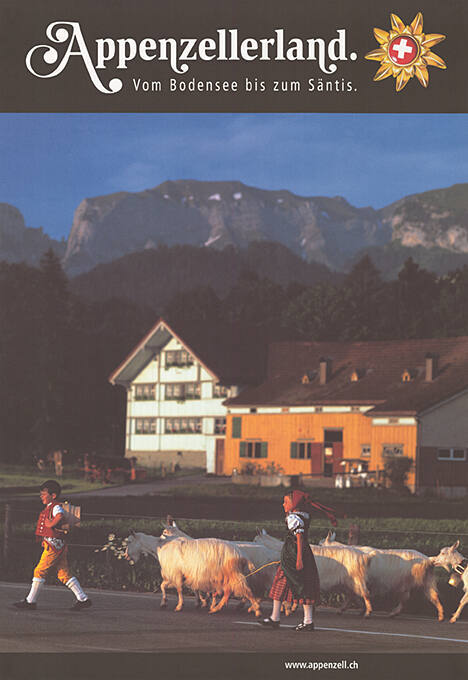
[176,383]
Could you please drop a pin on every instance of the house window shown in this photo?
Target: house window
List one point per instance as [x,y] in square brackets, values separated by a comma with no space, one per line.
[181,391]
[179,357]
[145,425]
[365,450]
[391,450]
[236,428]
[192,390]
[451,454]
[301,450]
[145,392]
[220,426]
[219,391]
[253,449]
[182,425]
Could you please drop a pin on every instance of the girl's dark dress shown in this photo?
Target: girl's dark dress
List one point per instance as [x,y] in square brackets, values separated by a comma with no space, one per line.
[289,584]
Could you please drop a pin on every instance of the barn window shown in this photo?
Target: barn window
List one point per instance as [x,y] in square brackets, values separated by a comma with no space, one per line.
[330,436]
[253,449]
[365,450]
[392,450]
[301,450]
[451,454]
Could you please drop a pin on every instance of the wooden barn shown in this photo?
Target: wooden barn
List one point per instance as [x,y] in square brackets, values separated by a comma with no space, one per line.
[329,409]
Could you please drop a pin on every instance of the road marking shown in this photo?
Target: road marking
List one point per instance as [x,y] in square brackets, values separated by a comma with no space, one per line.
[370,632]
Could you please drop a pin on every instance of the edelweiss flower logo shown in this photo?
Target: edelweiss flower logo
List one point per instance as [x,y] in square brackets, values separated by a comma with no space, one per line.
[405,52]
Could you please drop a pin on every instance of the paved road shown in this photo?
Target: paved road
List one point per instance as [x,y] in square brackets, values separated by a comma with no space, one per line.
[133,622]
[153,487]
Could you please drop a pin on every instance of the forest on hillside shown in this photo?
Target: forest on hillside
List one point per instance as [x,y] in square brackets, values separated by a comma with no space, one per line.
[57,347]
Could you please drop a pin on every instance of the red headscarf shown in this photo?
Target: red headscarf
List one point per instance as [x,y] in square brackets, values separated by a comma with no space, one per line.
[298,497]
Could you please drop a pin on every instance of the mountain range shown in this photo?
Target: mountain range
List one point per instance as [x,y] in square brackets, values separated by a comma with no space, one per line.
[431,226]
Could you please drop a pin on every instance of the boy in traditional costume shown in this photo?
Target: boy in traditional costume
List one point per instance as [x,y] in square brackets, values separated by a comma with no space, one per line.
[297,578]
[54,553]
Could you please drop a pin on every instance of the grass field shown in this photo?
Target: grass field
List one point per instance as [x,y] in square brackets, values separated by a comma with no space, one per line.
[27,480]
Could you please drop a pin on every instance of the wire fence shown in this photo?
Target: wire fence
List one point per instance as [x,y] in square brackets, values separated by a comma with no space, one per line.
[182,520]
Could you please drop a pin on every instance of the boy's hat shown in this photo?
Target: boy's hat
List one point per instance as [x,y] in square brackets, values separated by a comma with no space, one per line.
[52,487]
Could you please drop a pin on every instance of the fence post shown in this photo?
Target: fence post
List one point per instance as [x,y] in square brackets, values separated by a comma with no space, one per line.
[353,534]
[6,534]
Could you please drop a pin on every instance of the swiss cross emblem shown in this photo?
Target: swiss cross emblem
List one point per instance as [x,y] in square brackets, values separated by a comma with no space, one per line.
[403,50]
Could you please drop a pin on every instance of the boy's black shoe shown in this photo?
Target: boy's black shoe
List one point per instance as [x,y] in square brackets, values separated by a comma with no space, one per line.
[305,626]
[269,623]
[24,604]
[82,604]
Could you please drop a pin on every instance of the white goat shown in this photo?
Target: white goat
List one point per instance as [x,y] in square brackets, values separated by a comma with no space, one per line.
[449,558]
[257,554]
[397,572]
[205,564]
[339,569]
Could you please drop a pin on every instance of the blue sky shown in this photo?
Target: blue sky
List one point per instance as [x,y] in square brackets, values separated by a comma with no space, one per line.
[50,162]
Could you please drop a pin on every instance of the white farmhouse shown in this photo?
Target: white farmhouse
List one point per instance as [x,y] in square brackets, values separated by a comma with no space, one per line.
[176,383]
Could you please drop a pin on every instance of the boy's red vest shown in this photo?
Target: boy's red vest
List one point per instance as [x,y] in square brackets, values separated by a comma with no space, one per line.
[41,529]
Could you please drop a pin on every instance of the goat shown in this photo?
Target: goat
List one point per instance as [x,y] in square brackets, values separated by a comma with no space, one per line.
[264,559]
[343,570]
[450,559]
[205,564]
[397,572]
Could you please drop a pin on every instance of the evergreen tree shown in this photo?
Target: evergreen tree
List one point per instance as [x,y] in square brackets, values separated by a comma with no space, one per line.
[55,361]
[363,297]
[315,313]
[416,301]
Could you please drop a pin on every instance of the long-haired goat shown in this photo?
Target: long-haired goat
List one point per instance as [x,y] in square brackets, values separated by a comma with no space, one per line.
[205,564]
[340,570]
[257,554]
[397,572]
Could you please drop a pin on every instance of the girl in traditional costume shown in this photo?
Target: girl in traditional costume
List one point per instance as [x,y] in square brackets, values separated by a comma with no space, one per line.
[297,578]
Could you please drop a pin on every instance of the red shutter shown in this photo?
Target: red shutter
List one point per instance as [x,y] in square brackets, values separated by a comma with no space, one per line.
[316,459]
[337,457]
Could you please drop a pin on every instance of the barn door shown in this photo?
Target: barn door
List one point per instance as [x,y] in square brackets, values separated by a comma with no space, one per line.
[316,458]
[219,452]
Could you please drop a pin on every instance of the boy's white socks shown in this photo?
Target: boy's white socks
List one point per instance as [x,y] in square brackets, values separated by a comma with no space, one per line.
[36,586]
[76,589]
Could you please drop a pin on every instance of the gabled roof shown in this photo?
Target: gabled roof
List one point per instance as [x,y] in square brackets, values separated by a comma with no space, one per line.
[233,354]
[380,366]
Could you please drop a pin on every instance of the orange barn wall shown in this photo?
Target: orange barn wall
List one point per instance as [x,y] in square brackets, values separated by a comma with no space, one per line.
[279,430]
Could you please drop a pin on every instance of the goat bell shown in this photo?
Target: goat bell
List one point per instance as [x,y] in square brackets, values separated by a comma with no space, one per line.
[454,580]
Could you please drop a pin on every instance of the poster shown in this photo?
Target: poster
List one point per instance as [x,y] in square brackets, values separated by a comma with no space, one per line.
[235,79]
